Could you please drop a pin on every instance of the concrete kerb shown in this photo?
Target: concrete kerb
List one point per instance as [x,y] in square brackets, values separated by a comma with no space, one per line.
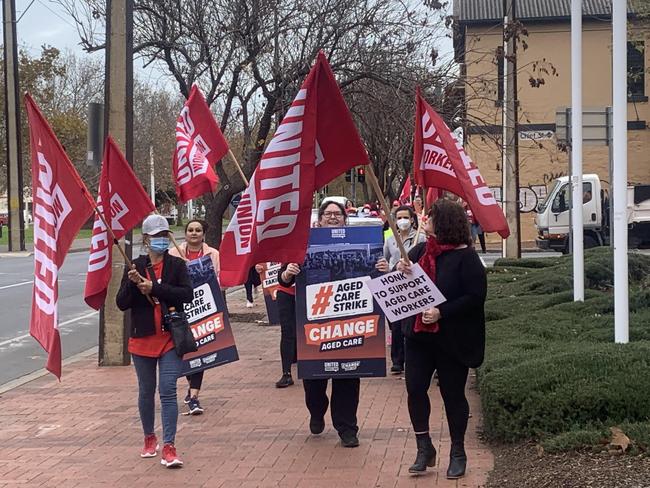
[10,385]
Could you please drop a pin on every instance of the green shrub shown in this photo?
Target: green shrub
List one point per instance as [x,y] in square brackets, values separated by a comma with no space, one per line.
[574,440]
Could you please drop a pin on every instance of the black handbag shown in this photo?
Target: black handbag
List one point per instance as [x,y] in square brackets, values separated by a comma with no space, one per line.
[175,322]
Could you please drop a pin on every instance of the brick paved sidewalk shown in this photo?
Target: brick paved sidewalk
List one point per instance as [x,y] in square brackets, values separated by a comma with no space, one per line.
[85,431]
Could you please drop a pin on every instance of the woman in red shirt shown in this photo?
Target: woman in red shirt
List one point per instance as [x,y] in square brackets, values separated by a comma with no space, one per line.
[155,279]
[195,247]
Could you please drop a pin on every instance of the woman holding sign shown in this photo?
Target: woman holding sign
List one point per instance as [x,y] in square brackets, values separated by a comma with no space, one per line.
[449,338]
[345,391]
[407,224]
[156,282]
[195,247]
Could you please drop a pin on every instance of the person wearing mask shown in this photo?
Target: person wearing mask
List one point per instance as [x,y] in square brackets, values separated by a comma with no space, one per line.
[449,338]
[155,278]
[195,247]
[345,391]
[407,224]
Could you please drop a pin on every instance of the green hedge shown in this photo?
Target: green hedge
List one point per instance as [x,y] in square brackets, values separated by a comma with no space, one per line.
[552,372]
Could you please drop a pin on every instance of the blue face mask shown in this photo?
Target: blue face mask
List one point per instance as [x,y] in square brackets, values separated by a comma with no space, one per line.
[159,244]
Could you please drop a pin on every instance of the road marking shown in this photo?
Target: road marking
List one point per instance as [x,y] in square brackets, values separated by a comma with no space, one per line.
[67,322]
[17,284]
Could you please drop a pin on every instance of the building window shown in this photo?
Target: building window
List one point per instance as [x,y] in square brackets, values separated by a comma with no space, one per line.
[499,61]
[636,69]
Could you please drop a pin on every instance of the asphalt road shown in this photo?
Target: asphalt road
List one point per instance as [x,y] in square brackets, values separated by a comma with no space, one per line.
[20,354]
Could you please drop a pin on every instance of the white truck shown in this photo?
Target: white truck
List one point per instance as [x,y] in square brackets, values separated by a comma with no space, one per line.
[552,219]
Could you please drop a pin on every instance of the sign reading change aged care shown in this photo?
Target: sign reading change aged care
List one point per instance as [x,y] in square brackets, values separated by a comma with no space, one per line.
[402,295]
[340,326]
[208,318]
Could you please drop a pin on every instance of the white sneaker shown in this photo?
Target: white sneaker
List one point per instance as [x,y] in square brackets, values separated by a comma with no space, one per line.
[249,304]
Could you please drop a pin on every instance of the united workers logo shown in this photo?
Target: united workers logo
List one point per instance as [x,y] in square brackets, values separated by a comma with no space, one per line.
[341,333]
[192,150]
[339,299]
[338,233]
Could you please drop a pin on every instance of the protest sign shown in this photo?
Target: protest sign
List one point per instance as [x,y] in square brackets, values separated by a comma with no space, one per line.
[340,327]
[269,278]
[208,318]
[402,295]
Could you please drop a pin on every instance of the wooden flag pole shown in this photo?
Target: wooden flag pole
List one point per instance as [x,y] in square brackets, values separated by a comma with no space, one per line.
[382,200]
[232,156]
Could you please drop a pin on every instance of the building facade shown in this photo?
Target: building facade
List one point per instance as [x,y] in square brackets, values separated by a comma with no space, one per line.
[544,88]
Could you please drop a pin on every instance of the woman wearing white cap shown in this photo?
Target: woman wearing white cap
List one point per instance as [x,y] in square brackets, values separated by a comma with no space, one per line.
[154,278]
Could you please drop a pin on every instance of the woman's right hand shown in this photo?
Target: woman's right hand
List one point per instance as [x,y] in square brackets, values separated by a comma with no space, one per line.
[404,266]
[259,268]
[134,276]
[292,270]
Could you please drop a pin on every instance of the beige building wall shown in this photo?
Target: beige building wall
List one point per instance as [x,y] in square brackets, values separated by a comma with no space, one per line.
[548,56]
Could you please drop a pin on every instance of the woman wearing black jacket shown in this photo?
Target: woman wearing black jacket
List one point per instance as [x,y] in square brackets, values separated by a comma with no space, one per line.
[345,391]
[449,338]
[156,277]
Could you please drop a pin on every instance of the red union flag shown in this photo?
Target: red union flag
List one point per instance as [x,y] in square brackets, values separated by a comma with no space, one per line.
[128,204]
[199,146]
[61,206]
[316,142]
[405,196]
[440,161]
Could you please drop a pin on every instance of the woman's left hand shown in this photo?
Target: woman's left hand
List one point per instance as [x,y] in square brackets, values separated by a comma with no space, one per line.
[145,287]
[431,316]
[382,265]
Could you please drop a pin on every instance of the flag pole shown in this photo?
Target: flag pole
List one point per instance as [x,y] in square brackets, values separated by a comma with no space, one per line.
[232,156]
[171,236]
[382,200]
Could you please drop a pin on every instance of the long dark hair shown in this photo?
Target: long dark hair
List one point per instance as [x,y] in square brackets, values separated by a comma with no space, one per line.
[450,223]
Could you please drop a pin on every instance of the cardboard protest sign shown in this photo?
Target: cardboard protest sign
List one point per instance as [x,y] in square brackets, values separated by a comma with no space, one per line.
[269,278]
[402,295]
[208,318]
[340,327]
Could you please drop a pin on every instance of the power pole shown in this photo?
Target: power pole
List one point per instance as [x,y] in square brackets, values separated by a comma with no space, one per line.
[12,118]
[510,161]
[118,100]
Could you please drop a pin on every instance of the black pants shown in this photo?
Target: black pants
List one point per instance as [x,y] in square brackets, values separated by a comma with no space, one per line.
[287,312]
[397,344]
[345,400]
[481,240]
[253,280]
[422,359]
[195,380]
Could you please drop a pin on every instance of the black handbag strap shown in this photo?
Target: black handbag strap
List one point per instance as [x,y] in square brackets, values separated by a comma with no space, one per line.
[163,306]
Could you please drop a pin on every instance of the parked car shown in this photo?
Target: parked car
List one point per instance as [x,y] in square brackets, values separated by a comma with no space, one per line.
[4,218]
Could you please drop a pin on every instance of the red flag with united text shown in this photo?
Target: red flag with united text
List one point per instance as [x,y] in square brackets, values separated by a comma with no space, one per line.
[440,161]
[316,142]
[61,205]
[123,203]
[200,145]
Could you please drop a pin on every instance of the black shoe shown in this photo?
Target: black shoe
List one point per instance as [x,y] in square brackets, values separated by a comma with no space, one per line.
[457,463]
[188,397]
[426,455]
[195,406]
[396,369]
[285,381]
[349,439]
[316,425]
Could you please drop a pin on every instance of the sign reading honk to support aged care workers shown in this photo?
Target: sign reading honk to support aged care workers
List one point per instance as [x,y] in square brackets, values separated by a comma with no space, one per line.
[402,295]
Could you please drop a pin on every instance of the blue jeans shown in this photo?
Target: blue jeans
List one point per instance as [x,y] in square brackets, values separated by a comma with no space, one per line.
[169,369]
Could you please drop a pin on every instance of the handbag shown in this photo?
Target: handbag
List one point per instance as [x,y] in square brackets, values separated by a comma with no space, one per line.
[175,322]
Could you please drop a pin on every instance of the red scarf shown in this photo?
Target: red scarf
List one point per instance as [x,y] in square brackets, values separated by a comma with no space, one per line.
[428,264]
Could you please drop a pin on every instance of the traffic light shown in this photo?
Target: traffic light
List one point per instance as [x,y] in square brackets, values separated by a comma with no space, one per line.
[348,175]
[361,175]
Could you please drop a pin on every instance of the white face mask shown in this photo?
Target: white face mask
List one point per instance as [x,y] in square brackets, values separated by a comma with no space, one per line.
[404,224]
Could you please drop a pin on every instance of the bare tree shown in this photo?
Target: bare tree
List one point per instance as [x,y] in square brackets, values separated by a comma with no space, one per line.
[249,57]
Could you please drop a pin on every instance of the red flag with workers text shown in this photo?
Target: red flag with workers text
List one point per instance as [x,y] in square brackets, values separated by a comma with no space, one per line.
[127,204]
[316,142]
[200,145]
[440,161]
[61,205]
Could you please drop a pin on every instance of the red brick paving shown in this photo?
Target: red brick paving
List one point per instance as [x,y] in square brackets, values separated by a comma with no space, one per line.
[85,431]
